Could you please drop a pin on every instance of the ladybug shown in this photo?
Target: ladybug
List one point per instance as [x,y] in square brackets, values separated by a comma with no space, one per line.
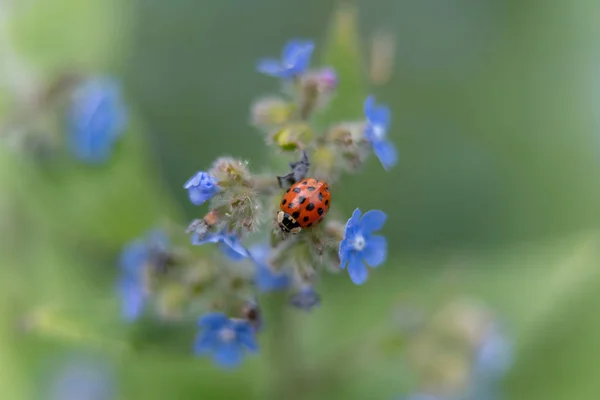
[304,205]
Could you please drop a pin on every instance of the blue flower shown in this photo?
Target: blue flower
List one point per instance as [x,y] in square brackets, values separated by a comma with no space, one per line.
[135,258]
[360,245]
[96,119]
[378,122]
[225,339]
[265,279]
[295,59]
[306,298]
[201,188]
[230,243]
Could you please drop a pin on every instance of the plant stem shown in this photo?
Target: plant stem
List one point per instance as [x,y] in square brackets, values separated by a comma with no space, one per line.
[283,352]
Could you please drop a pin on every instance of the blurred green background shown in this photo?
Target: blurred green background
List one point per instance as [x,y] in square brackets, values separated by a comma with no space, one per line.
[495,114]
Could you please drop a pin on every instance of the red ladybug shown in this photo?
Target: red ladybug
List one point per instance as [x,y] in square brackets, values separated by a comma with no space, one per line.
[304,205]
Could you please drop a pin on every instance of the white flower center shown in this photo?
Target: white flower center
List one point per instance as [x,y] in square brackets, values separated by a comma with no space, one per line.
[227,334]
[359,243]
[378,132]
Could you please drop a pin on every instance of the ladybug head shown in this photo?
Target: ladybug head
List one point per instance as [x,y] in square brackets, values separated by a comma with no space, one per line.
[287,223]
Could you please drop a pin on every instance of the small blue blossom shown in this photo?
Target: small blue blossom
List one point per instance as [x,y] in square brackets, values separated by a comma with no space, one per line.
[135,257]
[230,243]
[201,188]
[360,245]
[81,378]
[378,122]
[295,59]
[225,339]
[265,279]
[306,298]
[96,119]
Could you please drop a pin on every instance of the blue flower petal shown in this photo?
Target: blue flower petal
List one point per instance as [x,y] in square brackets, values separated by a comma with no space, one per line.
[357,269]
[344,252]
[246,336]
[201,188]
[197,197]
[377,115]
[213,320]
[375,251]
[301,57]
[267,280]
[133,298]
[270,66]
[386,153]
[228,355]
[205,342]
[230,253]
[235,245]
[96,118]
[372,221]
[133,257]
[352,223]
[291,48]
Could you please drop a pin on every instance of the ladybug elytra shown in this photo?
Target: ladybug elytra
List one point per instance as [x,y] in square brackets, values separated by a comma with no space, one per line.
[304,205]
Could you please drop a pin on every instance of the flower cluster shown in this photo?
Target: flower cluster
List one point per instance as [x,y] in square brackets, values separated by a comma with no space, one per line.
[275,231]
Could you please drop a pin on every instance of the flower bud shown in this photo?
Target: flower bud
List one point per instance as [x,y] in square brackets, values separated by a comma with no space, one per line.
[271,111]
[294,136]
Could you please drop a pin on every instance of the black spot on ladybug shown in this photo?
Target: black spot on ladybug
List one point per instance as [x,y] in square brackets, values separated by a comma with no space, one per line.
[309,225]
[320,196]
[301,199]
[291,205]
[297,190]
[295,214]
[305,219]
[320,211]
[326,189]
[287,191]
[310,207]
[326,202]
[311,188]
[305,183]
[283,202]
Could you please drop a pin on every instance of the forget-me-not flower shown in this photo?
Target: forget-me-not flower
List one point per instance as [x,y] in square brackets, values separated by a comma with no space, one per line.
[306,298]
[230,243]
[225,339]
[135,258]
[378,122]
[201,188]
[96,119]
[265,279]
[360,245]
[295,59]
